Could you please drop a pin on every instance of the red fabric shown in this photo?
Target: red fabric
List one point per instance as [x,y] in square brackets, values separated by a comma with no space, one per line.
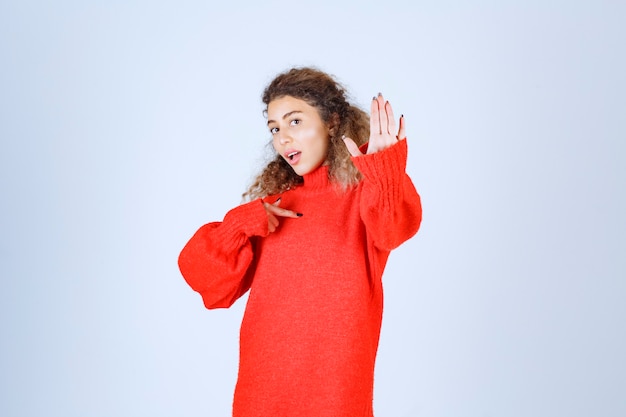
[310,331]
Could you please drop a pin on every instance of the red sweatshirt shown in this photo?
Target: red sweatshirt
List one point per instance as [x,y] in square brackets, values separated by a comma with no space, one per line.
[311,327]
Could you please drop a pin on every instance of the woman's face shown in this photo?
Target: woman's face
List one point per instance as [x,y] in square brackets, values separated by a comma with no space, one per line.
[299,134]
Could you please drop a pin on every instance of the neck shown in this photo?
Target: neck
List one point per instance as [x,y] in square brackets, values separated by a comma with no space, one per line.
[317,178]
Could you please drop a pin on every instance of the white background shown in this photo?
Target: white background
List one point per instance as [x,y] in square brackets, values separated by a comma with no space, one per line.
[126,125]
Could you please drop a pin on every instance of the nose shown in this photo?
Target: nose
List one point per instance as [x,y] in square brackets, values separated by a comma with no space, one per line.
[283,138]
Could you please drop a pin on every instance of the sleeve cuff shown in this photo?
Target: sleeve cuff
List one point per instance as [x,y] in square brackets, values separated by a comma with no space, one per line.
[384,168]
[242,222]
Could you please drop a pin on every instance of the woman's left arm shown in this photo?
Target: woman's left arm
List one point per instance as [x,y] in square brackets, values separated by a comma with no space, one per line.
[390,205]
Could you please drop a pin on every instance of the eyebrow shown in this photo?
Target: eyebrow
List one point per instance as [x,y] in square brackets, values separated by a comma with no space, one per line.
[285,116]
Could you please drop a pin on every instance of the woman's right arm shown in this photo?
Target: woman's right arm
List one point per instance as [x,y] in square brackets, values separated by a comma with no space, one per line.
[218,261]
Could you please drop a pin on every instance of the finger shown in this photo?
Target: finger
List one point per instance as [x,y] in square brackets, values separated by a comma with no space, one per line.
[401,131]
[382,111]
[281,212]
[391,120]
[272,222]
[352,147]
[374,117]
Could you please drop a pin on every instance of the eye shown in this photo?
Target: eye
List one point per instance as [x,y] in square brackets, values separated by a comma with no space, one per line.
[295,122]
[274,130]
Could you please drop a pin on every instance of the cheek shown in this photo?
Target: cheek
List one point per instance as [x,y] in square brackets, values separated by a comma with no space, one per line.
[322,141]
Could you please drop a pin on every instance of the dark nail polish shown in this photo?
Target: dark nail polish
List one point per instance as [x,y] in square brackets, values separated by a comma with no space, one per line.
[299,214]
[401,116]
[374,98]
[380,94]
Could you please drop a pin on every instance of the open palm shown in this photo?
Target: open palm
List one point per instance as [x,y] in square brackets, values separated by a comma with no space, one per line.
[383,128]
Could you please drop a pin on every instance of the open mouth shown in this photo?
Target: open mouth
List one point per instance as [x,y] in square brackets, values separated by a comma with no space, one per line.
[293,156]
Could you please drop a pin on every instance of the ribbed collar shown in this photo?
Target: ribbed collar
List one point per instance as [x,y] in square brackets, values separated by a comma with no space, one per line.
[317,178]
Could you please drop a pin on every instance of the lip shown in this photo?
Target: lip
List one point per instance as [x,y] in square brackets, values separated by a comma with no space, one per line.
[295,156]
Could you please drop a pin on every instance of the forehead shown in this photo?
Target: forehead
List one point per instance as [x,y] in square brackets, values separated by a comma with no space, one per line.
[281,106]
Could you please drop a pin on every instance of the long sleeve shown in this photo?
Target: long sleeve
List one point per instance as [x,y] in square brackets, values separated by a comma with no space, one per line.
[390,206]
[218,261]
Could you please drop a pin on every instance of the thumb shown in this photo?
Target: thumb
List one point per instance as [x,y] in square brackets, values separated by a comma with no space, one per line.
[352,147]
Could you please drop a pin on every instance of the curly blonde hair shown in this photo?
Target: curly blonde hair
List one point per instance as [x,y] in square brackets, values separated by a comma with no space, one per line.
[323,92]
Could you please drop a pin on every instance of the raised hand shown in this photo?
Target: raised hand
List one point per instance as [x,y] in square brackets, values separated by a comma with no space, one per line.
[273,212]
[382,128]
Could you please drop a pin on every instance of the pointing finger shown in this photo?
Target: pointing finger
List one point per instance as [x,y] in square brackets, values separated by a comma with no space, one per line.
[281,212]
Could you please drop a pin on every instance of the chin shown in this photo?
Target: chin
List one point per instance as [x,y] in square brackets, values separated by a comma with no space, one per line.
[302,172]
